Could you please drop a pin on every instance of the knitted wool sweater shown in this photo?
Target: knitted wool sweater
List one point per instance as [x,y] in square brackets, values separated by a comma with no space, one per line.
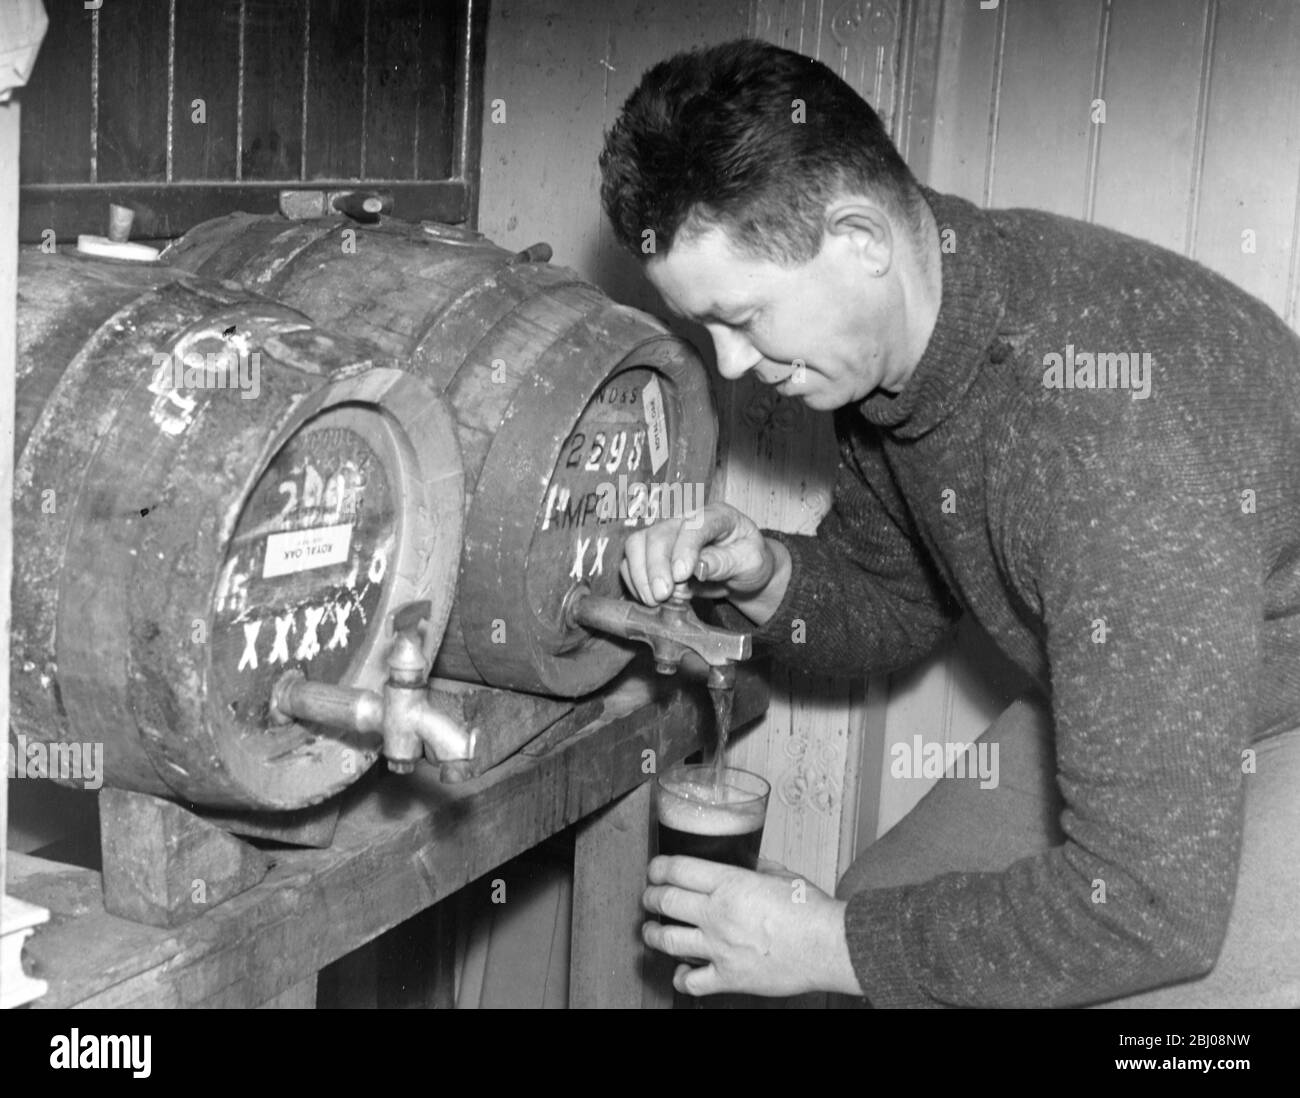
[1137,553]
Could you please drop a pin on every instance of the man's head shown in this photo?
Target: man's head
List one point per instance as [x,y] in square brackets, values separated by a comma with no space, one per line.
[768,203]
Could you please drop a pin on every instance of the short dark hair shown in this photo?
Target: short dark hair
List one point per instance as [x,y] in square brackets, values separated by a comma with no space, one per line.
[710,137]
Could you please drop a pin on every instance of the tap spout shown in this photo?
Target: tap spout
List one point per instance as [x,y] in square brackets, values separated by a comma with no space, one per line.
[670,629]
[403,713]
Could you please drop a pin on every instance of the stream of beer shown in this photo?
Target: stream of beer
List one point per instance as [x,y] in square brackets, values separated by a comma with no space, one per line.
[724,698]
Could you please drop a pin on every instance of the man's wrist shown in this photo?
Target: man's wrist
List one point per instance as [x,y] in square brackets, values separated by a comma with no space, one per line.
[840,976]
[760,606]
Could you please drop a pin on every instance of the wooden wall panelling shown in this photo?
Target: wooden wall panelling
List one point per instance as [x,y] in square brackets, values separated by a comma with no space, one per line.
[1251,159]
[966,75]
[132,46]
[336,89]
[544,78]
[432,135]
[641,34]
[290,90]
[411,58]
[271,120]
[1149,139]
[1049,70]
[58,103]
[207,39]
[9,155]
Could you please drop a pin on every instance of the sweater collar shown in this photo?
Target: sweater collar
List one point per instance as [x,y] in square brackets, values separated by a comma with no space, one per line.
[974,297]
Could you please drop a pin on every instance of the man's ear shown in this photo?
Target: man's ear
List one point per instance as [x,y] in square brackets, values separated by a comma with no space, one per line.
[866,229]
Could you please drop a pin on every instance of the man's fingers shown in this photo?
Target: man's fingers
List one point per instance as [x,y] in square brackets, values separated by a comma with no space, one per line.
[706,526]
[676,903]
[697,980]
[676,941]
[694,874]
[658,559]
[634,562]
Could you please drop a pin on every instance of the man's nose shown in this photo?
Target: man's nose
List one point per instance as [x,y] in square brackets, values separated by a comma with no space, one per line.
[736,355]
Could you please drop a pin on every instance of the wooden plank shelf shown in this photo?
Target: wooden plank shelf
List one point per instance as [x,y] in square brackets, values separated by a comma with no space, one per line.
[402,844]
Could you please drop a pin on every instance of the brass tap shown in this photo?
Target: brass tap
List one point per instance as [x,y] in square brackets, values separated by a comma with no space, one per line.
[403,713]
[671,629]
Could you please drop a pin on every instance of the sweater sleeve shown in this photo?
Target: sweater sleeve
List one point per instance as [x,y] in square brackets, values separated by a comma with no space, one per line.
[1152,599]
[862,597]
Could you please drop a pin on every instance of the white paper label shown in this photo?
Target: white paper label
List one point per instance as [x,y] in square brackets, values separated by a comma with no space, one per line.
[656,424]
[299,550]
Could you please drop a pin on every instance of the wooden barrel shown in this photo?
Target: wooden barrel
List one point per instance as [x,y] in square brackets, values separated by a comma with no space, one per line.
[209,490]
[565,403]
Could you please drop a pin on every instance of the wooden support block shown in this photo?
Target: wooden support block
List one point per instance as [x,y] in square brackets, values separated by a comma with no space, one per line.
[312,827]
[611,966]
[163,865]
[506,719]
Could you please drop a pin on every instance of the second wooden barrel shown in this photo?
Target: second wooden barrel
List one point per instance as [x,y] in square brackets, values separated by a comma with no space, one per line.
[210,489]
[578,419]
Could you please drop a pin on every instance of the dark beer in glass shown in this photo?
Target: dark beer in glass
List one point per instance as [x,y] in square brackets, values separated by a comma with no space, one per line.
[703,820]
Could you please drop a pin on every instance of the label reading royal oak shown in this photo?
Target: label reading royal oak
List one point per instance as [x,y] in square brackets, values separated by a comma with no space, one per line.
[300,550]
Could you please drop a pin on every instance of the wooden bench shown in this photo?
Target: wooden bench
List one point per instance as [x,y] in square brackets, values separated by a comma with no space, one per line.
[402,844]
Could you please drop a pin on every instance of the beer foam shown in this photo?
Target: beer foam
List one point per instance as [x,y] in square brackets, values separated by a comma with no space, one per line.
[695,807]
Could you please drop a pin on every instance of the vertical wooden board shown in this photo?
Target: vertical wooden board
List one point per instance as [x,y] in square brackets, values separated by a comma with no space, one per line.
[607,961]
[540,179]
[641,35]
[1048,70]
[335,89]
[56,102]
[273,69]
[133,100]
[1148,141]
[10,130]
[803,751]
[207,39]
[435,109]
[1252,148]
[865,818]
[918,81]
[951,698]
[970,51]
[794,24]
[393,79]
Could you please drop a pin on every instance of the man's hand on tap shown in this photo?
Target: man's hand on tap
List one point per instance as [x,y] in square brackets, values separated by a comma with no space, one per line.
[718,546]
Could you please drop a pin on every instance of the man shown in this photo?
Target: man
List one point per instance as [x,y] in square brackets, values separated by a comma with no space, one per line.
[1088,443]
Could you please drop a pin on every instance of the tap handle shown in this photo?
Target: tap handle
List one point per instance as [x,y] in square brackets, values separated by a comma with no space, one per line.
[413,617]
